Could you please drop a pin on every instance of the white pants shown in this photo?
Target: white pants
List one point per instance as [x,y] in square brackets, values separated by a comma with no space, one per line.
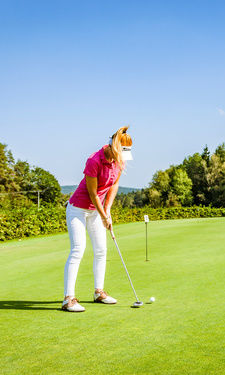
[77,220]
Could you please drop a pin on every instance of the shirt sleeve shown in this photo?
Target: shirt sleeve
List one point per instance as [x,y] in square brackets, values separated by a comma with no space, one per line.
[91,168]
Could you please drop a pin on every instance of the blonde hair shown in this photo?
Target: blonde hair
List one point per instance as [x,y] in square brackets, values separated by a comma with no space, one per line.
[119,139]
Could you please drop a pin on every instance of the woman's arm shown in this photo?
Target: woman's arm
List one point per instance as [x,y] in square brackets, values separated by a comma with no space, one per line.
[92,184]
[111,195]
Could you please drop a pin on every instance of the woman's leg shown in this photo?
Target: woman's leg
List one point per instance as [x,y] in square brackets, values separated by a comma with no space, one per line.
[76,223]
[97,233]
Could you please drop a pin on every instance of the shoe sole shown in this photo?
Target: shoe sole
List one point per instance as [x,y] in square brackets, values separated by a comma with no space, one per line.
[105,303]
[76,311]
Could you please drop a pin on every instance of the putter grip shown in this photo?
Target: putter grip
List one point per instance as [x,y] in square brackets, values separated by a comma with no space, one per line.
[112,234]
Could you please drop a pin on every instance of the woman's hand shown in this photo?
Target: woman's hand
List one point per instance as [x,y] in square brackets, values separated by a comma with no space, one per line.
[107,221]
[107,212]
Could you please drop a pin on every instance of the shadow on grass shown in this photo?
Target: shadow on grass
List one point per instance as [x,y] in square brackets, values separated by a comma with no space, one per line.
[42,305]
[30,305]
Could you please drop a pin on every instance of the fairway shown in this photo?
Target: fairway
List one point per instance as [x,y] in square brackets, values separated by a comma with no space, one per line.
[181,333]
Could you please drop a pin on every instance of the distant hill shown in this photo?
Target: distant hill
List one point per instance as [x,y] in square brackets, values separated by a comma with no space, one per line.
[67,189]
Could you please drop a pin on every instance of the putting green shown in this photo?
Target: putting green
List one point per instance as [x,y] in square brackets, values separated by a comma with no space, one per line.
[181,333]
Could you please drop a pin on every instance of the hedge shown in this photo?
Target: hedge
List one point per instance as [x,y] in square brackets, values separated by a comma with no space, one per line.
[20,223]
[127,215]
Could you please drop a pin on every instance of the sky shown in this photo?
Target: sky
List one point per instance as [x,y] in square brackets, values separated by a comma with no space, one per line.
[72,73]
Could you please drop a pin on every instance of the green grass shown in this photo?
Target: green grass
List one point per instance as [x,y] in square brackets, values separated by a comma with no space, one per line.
[181,333]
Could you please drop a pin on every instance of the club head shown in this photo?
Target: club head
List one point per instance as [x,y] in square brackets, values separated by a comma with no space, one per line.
[137,304]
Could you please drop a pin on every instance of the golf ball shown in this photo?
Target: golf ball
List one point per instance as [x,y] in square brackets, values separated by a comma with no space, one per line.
[152,299]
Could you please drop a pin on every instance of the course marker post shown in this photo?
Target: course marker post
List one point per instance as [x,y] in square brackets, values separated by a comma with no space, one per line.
[146,218]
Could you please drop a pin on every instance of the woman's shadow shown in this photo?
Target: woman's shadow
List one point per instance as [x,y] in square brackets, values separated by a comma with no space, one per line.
[30,305]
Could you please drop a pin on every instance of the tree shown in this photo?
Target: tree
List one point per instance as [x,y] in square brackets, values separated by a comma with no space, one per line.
[206,155]
[220,152]
[47,183]
[19,176]
[4,170]
[128,200]
[140,198]
[182,187]
[196,168]
[10,159]
[7,175]
[172,200]
[161,183]
[155,200]
[216,181]
[23,176]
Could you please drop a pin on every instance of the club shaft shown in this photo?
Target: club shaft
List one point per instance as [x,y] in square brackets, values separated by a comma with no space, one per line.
[125,267]
[146,235]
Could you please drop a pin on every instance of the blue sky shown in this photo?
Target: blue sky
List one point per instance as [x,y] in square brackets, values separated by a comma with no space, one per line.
[72,73]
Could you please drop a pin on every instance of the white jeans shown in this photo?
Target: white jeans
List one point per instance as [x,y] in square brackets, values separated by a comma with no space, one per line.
[77,220]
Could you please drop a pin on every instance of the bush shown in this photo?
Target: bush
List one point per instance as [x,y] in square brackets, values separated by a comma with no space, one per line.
[20,223]
[23,222]
[127,215]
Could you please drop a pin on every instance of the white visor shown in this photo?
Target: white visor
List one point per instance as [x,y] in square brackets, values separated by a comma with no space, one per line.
[126,152]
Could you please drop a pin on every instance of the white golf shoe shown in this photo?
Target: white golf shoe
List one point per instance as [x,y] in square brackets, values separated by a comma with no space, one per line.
[102,297]
[72,304]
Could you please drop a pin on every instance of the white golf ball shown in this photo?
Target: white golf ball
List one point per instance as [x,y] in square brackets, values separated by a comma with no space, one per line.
[152,299]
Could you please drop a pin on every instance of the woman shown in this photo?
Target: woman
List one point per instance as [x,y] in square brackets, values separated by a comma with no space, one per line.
[89,207]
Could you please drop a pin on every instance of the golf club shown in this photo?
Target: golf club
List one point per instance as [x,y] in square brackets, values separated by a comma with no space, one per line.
[137,303]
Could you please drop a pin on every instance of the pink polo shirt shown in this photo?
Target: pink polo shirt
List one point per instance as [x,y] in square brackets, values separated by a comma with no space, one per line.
[96,166]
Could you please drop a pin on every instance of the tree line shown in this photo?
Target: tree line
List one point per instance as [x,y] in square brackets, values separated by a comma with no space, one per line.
[19,182]
[198,180]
